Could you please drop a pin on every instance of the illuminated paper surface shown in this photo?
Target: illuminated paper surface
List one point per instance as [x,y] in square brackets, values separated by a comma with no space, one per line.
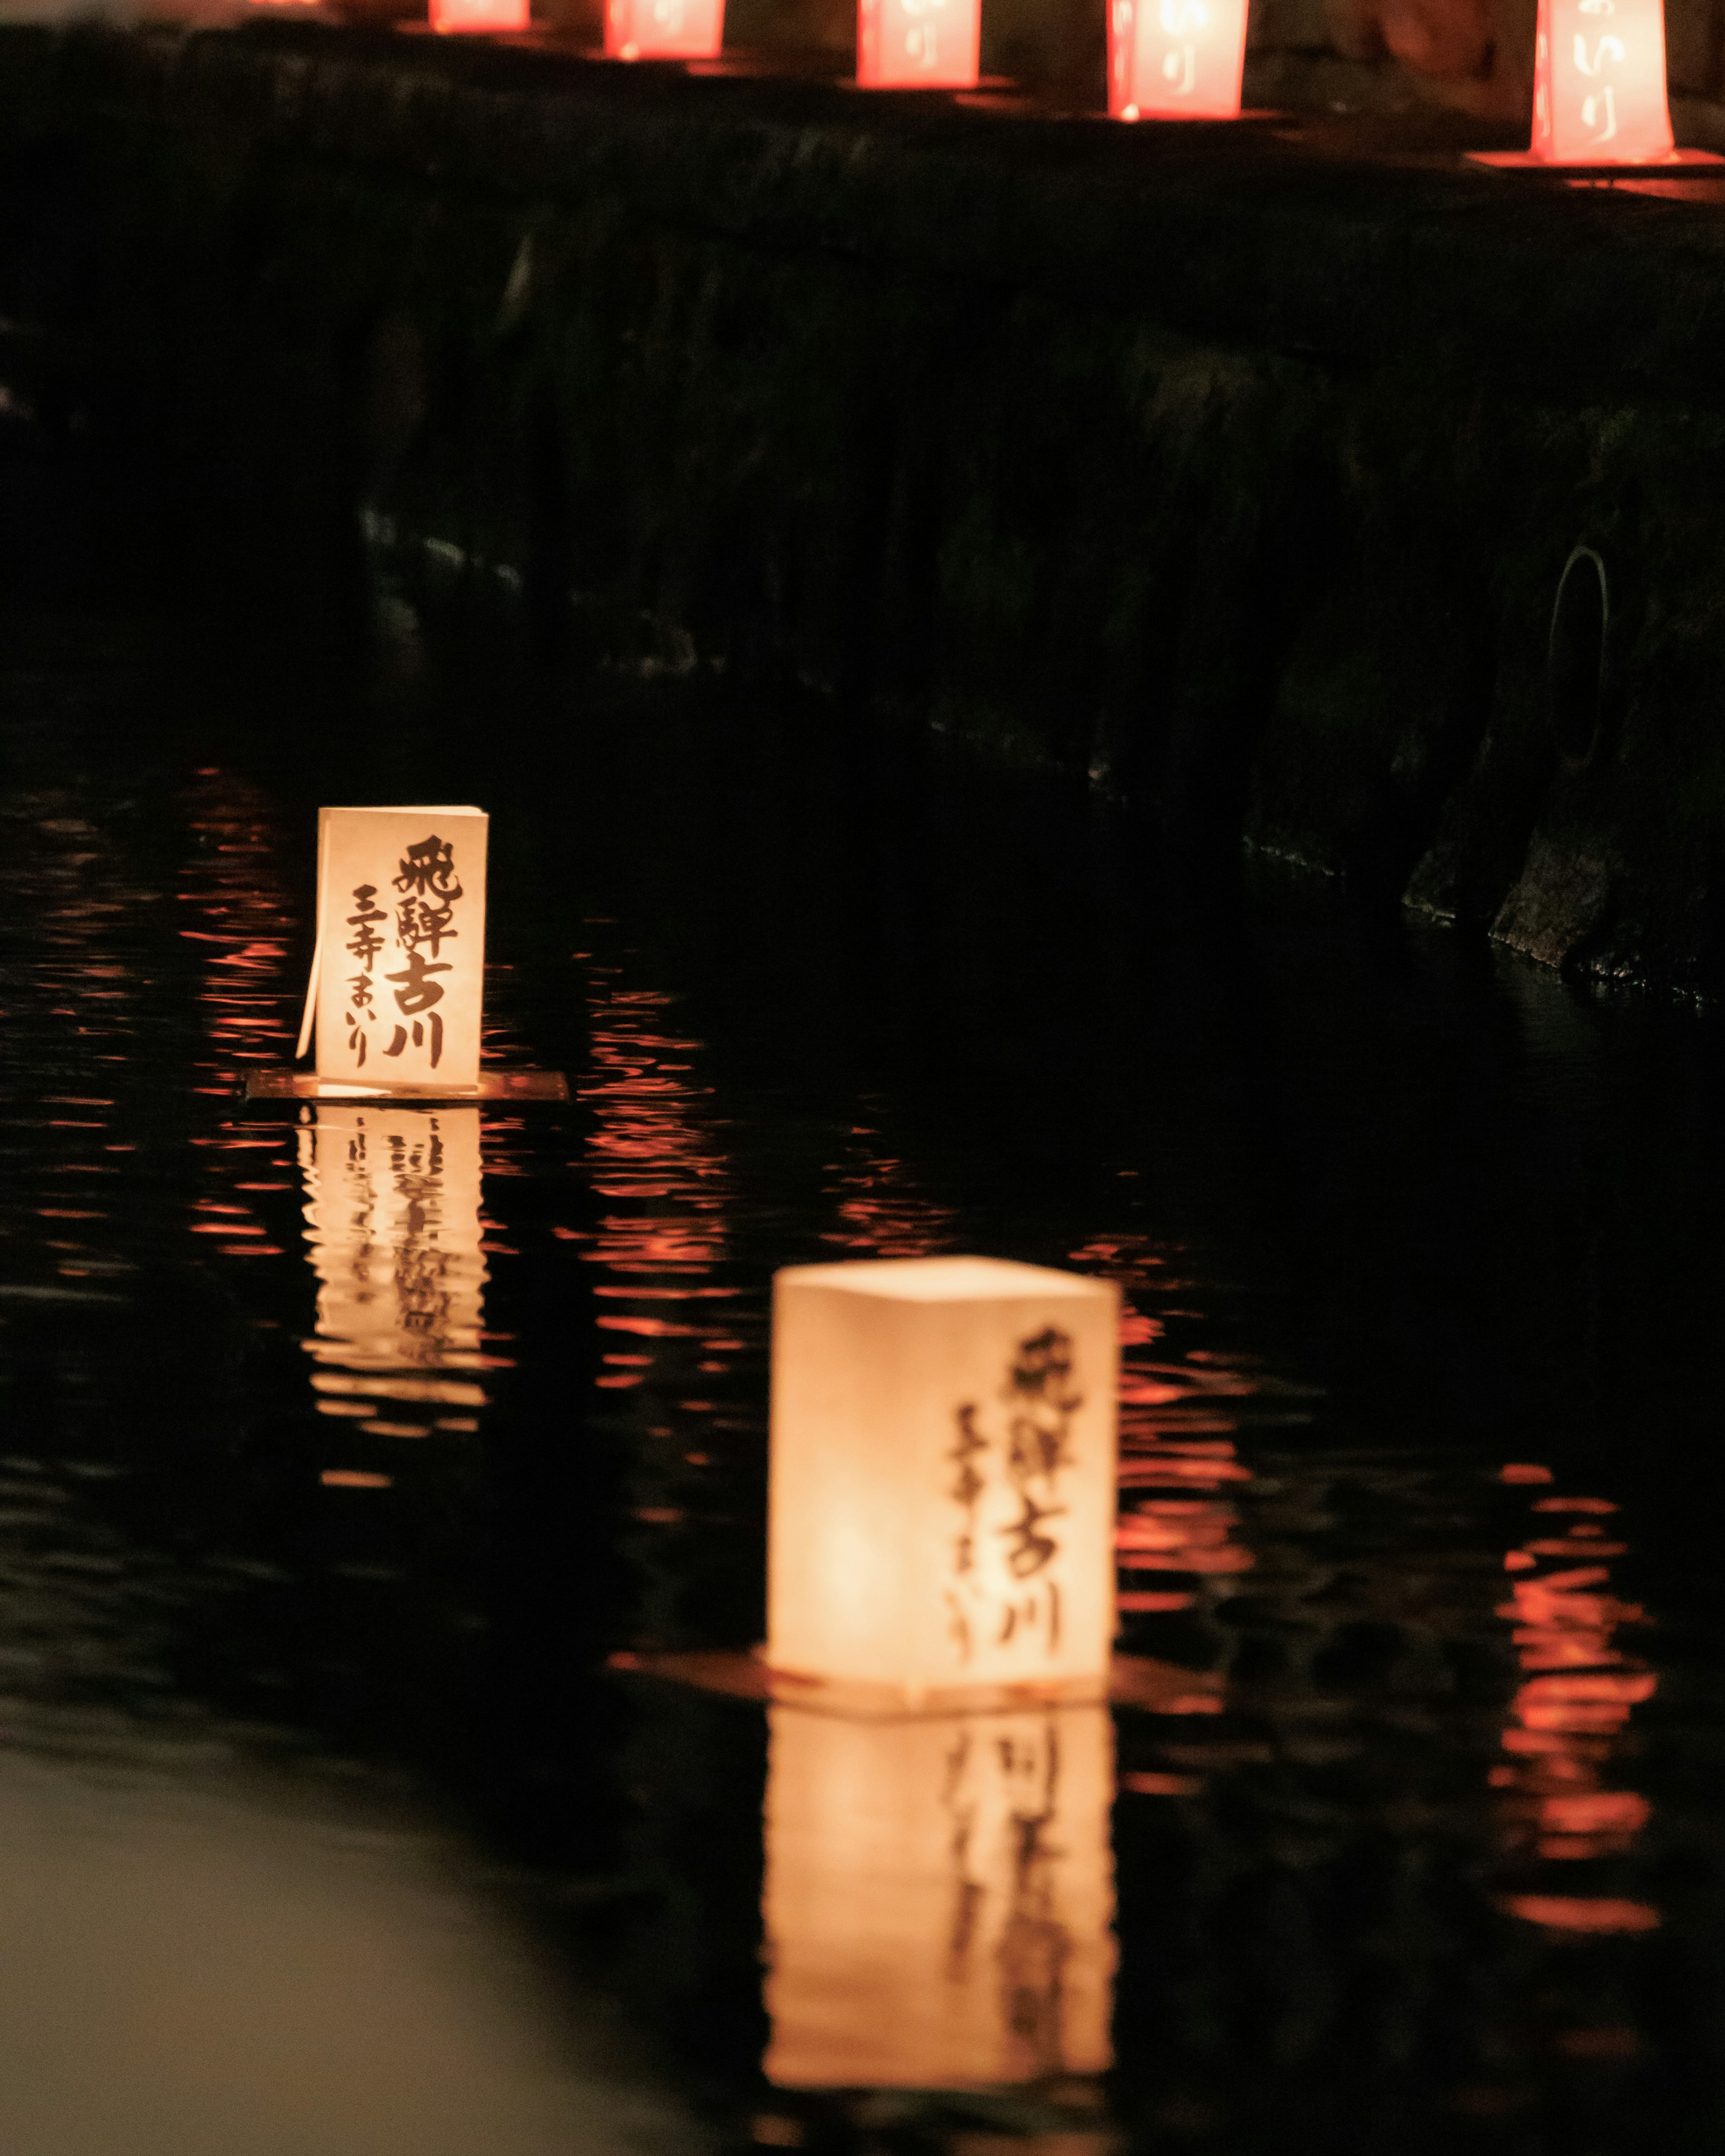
[1176,59]
[479,15]
[1600,82]
[917,44]
[664,29]
[938,1899]
[392,1218]
[943,1472]
[397,979]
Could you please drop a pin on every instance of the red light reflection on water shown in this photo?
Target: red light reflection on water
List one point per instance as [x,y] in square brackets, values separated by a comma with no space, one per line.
[1177,1452]
[238,922]
[1579,1689]
[881,1213]
[652,1155]
[671,1333]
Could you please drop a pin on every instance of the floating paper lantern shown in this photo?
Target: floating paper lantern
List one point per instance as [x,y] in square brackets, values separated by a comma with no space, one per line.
[455,16]
[942,1470]
[1176,59]
[664,29]
[917,44]
[938,1898]
[398,972]
[392,1215]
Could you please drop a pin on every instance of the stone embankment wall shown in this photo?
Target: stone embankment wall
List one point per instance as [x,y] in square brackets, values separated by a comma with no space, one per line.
[1229,474]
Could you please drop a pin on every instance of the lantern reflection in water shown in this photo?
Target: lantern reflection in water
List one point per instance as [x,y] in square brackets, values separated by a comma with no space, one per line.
[939,1899]
[1579,1689]
[917,44]
[943,1457]
[392,1204]
[1176,59]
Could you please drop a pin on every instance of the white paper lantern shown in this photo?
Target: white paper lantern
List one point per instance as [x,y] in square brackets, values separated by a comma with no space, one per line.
[397,977]
[943,1477]
[939,1896]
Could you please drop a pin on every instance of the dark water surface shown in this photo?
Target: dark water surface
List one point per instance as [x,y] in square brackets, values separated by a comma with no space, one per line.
[1421,1413]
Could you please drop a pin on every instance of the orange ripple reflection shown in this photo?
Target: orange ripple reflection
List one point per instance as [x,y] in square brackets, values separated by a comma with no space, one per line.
[881,1213]
[1579,1690]
[1168,1453]
[653,1154]
[240,924]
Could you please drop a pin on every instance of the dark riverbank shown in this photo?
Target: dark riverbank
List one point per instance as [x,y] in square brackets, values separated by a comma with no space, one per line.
[1228,474]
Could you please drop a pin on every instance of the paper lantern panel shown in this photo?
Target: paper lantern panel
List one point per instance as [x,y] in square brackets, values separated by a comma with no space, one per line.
[398,972]
[938,1898]
[479,17]
[664,29]
[942,1478]
[917,44]
[1176,59]
[1600,82]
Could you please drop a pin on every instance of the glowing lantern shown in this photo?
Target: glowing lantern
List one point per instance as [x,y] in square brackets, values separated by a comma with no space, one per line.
[664,29]
[392,1214]
[1176,59]
[1598,82]
[397,974]
[480,16]
[1599,89]
[938,1898]
[917,44]
[942,1468]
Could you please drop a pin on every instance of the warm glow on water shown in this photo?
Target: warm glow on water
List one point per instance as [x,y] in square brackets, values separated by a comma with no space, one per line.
[350,1444]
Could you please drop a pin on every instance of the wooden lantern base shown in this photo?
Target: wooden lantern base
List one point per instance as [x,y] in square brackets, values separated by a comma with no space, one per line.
[516,1086]
[1524,161]
[1132,1681]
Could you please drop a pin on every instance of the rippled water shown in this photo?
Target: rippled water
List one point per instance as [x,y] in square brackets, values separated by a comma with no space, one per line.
[357,1439]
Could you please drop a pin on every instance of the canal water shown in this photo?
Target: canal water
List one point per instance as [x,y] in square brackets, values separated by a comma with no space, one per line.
[314,1544]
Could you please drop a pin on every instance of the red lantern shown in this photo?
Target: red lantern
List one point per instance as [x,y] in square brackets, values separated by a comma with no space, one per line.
[1599,89]
[917,44]
[1176,59]
[664,29]
[480,16]
[1598,83]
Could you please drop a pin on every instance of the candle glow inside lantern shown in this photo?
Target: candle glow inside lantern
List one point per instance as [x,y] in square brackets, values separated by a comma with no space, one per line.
[456,16]
[938,1898]
[1600,82]
[917,44]
[398,975]
[1600,96]
[393,1217]
[664,29]
[1176,59]
[942,1482]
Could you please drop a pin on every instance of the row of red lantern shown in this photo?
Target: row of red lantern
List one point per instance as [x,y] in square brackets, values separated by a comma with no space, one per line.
[1167,59]
[1600,86]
